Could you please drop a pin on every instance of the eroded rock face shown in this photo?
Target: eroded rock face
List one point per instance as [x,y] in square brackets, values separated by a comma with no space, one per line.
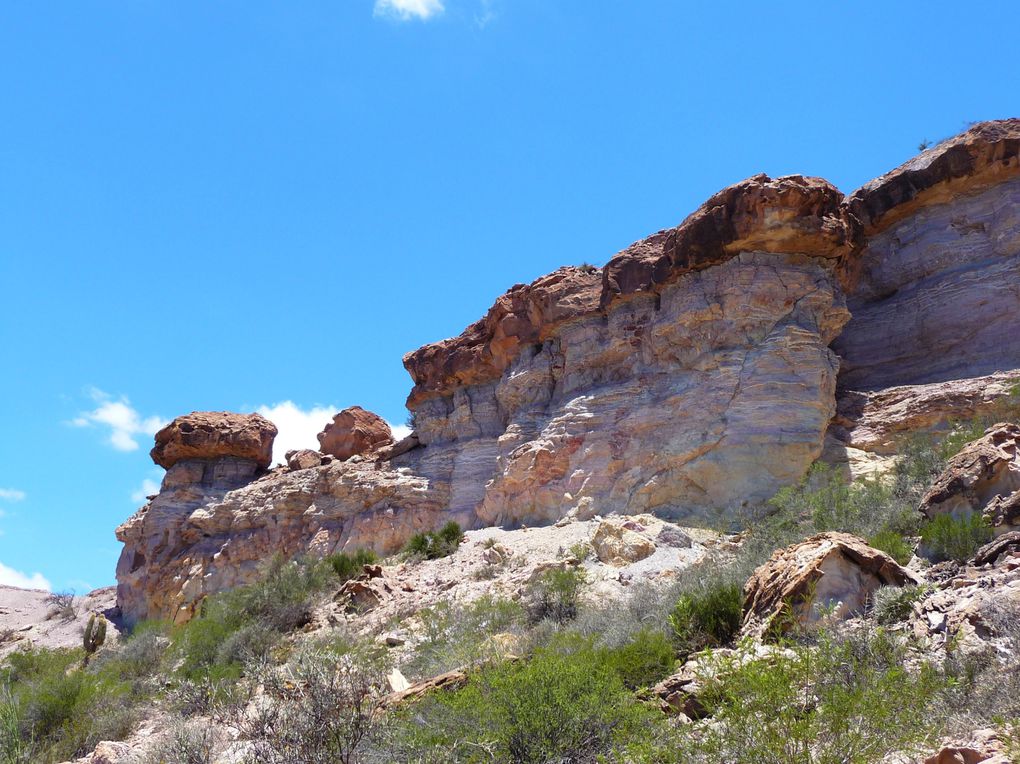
[828,570]
[210,529]
[690,402]
[694,374]
[984,477]
[932,292]
[214,434]
[354,431]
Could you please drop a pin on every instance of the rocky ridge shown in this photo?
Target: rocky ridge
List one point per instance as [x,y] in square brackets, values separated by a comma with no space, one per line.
[695,374]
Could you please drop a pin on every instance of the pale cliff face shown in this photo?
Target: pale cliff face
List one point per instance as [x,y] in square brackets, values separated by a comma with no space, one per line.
[695,374]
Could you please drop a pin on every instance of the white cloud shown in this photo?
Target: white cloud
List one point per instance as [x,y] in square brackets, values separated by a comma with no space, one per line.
[125,422]
[148,488]
[485,14]
[298,427]
[12,494]
[405,10]
[400,430]
[12,577]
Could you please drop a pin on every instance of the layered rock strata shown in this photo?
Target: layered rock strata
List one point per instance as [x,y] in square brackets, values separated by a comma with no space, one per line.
[692,377]
[694,374]
[933,292]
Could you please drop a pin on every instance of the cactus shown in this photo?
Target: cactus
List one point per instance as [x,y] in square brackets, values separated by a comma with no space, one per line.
[94,636]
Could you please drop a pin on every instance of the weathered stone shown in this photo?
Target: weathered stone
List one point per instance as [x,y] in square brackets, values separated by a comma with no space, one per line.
[618,542]
[984,155]
[303,459]
[984,477]
[760,214]
[202,536]
[1007,543]
[932,292]
[353,432]
[215,434]
[878,421]
[828,571]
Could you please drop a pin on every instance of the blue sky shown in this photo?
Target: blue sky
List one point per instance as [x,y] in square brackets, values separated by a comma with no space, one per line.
[235,205]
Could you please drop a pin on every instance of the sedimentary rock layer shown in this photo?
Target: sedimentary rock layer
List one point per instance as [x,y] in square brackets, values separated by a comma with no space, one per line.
[694,374]
[934,292]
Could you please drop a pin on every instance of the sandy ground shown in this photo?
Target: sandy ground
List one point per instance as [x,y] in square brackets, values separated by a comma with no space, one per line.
[28,618]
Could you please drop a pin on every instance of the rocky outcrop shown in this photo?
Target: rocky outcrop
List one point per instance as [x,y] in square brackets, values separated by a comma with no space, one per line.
[829,571]
[699,386]
[932,293]
[879,420]
[355,431]
[693,375]
[213,525]
[620,542]
[210,435]
[306,458]
[984,477]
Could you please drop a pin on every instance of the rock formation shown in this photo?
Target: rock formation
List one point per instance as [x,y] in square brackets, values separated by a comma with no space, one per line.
[829,570]
[354,431]
[984,477]
[695,374]
[208,435]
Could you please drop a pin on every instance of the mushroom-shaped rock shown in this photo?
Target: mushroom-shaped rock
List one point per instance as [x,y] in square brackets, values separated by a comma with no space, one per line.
[834,570]
[984,477]
[214,434]
[354,431]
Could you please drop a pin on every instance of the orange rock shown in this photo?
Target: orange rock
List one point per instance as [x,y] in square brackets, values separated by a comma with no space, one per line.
[214,434]
[354,431]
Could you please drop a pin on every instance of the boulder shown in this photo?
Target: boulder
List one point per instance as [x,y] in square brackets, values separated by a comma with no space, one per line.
[983,477]
[829,570]
[355,431]
[982,747]
[207,435]
[619,541]
[303,459]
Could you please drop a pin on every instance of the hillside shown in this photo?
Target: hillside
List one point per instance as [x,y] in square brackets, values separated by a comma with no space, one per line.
[747,493]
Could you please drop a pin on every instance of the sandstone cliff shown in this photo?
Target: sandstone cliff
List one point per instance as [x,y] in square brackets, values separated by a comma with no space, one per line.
[695,374]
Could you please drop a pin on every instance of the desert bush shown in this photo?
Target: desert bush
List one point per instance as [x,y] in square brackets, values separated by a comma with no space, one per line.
[318,708]
[893,544]
[825,501]
[435,544]
[348,565]
[707,618]
[63,605]
[555,594]
[564,704]
[646,659]
[843,700]
[235,625]
[62,710]
[946,537]
[461,635]
[184,743]
[892,604]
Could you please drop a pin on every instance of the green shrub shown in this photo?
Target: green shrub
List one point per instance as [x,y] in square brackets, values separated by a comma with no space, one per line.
[555,595]
[946,537]
[61,710]
[460,635]
[893,544]
[825,501]
[845,701]
[892,604]
[347,566]
[235,625]
[642,662]
[435,544]
[707,618]
[564,704]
